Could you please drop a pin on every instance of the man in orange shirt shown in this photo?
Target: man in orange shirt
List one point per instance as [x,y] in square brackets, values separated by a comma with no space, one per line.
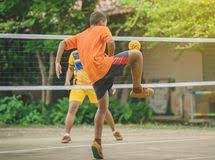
[101,68]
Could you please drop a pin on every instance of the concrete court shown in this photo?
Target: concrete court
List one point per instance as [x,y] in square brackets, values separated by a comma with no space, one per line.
[138,144]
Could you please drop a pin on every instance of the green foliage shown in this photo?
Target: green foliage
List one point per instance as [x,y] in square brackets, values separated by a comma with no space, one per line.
[171,18]
[33,117]
[135,24]
[131,113]
[41,17]
[36,17]
[187,18]
[59,110]
[14,111]
[11,108]
[85,113]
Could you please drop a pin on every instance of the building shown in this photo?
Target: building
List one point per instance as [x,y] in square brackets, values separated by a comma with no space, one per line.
[164,62]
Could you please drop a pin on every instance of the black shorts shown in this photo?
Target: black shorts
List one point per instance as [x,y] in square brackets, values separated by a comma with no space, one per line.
[105,84]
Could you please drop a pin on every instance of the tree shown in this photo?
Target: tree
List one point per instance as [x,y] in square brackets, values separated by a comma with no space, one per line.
[171,18]
[44,17]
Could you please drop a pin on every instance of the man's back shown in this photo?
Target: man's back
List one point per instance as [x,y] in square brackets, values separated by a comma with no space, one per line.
[102,70]
[91,45]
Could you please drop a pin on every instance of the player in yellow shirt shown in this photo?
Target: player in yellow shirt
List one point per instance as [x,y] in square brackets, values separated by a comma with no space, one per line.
[77,96]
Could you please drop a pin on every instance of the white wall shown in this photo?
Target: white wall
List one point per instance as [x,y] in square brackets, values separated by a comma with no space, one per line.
[166,62]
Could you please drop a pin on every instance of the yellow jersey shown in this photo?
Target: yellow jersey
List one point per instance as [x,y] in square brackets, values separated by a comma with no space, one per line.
[80,76]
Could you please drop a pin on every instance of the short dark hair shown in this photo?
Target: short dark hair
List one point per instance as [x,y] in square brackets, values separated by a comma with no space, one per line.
[97,16]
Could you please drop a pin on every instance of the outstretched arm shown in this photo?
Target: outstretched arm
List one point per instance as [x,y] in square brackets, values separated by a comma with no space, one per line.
[60,51]
[66,44]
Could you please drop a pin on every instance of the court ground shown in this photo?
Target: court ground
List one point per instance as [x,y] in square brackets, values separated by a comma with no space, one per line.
[138,144]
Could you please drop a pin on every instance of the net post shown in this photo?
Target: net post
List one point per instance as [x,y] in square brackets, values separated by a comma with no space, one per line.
[181,106]
[192,105]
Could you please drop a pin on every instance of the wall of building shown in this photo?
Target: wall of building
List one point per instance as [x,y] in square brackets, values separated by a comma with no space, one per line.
[167,62]
[209,63]
[164,62]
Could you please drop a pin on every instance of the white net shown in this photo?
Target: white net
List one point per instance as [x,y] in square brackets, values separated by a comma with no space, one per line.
[28,60]
[175,66]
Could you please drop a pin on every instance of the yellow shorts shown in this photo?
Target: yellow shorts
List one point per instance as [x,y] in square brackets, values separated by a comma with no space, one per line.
[80,94]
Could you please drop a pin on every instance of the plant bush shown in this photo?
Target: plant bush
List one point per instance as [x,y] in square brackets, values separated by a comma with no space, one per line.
[58,112]
[133,112]
[14,111]
[33,117]
[85,114]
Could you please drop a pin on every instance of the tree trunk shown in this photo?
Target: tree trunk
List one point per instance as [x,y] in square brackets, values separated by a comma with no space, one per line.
[43,75]
[124,94]
[50,78]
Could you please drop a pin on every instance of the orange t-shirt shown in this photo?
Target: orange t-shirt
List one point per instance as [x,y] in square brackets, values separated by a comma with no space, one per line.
[91,45]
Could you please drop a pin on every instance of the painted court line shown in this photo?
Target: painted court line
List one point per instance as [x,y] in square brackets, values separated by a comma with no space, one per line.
[110,144]
[193,158]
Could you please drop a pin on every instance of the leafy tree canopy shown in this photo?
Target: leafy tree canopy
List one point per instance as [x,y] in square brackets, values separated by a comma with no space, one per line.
[171,18]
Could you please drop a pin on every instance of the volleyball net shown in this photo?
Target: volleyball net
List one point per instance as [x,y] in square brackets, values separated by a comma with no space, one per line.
[178,69]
